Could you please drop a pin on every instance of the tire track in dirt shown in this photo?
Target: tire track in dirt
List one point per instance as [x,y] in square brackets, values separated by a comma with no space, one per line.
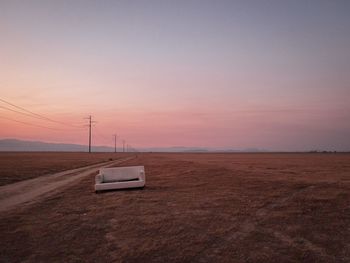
[36,189]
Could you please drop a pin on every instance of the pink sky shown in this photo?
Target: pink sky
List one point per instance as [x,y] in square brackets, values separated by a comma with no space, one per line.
[211,75]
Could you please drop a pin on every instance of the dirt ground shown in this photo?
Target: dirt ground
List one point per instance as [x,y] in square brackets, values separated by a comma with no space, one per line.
[18,166]
[195,208]
[38,188]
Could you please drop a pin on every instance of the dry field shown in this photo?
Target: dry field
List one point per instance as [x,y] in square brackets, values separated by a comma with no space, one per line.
[26,165]
[194,208]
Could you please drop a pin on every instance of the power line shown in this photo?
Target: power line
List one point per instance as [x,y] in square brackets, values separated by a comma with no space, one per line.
[20,112]
[101,135]
[126,147]
[27,114]
[35,125]
[90,130]
[36,115]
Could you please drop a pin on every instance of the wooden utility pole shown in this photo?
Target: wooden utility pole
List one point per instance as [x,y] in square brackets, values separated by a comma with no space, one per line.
[115,143]
[123,146]
[90,130]
[90,134]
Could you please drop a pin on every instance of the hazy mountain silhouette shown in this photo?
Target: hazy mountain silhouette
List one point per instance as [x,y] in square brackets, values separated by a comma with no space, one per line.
[15,145]
[35,146]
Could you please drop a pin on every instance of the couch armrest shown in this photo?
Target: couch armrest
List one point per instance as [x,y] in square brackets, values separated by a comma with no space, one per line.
[99,179]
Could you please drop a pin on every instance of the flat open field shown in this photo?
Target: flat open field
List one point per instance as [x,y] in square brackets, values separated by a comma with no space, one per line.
[26,165]
[194,208]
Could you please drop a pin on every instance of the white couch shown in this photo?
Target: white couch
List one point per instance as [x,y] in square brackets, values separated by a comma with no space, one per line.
[120,178]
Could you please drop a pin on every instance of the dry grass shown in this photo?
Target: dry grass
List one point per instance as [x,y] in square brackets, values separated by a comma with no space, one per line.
[21,166]
[195,208]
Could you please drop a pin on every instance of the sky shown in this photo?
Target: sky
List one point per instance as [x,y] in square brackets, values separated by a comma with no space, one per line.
[217,74]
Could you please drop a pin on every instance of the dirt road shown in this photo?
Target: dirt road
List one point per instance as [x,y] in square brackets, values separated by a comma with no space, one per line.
[32,190]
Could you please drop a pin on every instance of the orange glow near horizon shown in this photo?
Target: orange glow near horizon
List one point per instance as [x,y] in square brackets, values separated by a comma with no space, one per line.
[212,75]
[213,129]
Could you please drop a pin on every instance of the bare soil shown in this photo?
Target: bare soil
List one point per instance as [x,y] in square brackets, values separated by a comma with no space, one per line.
[195,208]
[18,166]
[36,189]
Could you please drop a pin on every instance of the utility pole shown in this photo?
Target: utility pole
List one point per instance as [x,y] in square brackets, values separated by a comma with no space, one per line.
[90,134]
[115,143]
[123,145]
[90,128]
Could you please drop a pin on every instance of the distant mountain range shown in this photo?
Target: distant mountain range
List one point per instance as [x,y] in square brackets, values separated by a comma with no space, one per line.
[15,145]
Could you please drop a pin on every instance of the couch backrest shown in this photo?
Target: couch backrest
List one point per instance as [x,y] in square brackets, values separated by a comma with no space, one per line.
[122,173]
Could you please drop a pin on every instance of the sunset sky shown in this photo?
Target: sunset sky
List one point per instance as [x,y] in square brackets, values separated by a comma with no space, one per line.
[218,74]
